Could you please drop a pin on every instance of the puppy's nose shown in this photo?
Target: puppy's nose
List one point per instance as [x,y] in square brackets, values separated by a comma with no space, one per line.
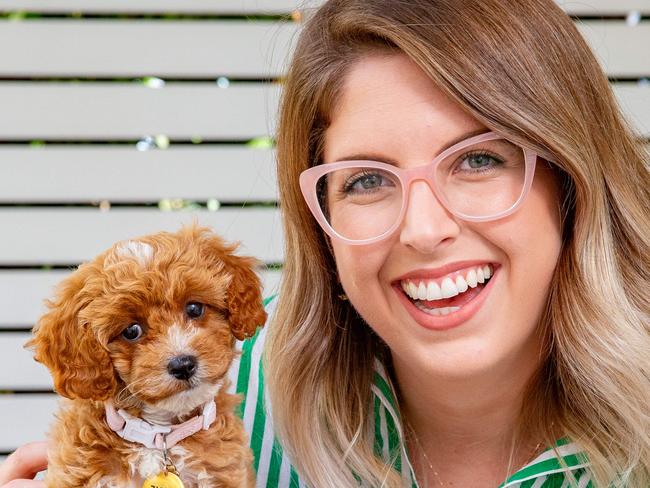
[182,367]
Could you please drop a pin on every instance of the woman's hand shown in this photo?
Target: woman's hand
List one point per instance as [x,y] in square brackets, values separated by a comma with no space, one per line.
[19,469]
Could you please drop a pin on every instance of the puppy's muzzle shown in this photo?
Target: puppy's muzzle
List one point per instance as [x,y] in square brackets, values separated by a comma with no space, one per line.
[182,367]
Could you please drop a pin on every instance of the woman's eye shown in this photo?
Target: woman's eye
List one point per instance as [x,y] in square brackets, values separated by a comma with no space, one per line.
[478,162]
[369,181]
[133,332]
[365,182]
[194,310]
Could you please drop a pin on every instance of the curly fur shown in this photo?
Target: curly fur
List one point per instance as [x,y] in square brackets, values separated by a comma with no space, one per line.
[149,281]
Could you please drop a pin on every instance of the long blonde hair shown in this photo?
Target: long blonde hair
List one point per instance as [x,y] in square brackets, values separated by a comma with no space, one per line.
[522,69]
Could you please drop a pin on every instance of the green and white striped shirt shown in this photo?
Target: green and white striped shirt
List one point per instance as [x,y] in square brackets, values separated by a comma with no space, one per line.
[556,467]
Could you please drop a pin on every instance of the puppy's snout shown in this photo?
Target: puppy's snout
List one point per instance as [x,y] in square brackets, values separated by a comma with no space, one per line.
[182,367]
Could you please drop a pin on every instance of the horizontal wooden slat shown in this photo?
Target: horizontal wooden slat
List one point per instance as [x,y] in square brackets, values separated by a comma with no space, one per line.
[115,48]
[18,369]
[69,174]
[582,7]
[91,47]
[69,236]
[635,103]
[604,7]
[621,49]
[25,418]
[22,293]
[128,111]
[156,6]
[105,111]
[136,48]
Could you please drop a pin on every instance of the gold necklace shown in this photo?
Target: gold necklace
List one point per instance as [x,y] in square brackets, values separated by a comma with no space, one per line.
[424,454]
[435,473]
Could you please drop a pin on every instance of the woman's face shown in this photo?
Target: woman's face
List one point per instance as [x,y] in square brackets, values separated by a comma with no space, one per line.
[390,111]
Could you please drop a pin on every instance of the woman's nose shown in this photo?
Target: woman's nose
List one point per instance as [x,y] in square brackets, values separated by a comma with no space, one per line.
[427,223]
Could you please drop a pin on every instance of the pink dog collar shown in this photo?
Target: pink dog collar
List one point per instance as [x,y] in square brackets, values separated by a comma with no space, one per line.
[135,429]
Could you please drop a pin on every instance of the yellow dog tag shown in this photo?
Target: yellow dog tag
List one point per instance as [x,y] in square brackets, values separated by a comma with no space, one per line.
[163,480]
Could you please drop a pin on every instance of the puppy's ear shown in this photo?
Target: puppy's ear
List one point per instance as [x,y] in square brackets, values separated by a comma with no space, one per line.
[245,306]
[67,345]
[244,295]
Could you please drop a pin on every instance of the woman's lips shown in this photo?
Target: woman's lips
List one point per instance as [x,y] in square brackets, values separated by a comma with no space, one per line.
[468,306]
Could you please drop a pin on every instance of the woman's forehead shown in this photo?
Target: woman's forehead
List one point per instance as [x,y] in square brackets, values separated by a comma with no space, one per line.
[388,103]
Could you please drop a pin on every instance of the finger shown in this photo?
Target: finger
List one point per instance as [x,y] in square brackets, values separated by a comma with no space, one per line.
[25,462]
[24,484]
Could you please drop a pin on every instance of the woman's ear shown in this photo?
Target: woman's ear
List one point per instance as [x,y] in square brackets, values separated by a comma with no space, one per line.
[244,298]
[67,345]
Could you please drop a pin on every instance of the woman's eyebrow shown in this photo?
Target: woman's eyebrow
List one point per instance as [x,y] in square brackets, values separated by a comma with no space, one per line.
[368,157]
[383,159]
[464,136]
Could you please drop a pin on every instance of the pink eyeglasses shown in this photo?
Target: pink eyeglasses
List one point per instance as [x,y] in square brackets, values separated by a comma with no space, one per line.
[482,178]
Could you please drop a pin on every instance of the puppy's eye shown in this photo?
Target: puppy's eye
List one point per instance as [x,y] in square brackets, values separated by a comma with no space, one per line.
[133,332]
[194,310]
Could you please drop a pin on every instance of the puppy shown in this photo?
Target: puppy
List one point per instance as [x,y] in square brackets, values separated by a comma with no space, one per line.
[139,341]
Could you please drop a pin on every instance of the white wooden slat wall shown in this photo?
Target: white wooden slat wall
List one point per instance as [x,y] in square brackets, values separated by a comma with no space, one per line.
[105,117]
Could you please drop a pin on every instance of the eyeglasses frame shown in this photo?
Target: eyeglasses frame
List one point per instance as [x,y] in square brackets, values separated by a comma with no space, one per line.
[309,178]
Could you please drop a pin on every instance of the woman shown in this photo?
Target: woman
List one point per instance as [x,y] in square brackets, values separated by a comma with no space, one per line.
[464,297]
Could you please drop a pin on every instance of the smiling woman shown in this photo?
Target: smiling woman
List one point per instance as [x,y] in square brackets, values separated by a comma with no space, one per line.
[434,326]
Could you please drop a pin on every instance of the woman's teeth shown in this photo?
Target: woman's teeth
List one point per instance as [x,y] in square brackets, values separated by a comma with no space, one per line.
[430,290]
[437,311]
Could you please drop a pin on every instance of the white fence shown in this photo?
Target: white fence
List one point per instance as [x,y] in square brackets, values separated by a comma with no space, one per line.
[72,108]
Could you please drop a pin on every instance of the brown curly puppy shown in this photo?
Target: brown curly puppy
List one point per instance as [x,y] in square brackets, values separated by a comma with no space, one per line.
[139,341]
